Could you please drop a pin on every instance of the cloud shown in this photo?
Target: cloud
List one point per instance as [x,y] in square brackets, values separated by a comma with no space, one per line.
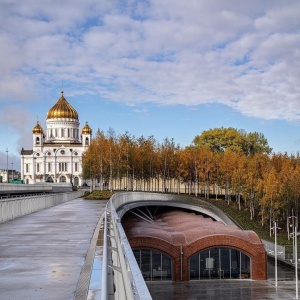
[15,120]
[140,111]
[240,54]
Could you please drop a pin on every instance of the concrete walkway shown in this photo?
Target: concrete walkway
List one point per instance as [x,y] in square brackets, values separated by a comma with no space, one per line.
[228,289]
[42,254]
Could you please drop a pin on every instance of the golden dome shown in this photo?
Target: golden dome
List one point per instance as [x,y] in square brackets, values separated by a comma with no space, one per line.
[62,109]
[86,129]
[37,129]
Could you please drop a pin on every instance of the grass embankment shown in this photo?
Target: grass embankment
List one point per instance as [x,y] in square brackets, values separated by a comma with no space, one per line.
[242,217]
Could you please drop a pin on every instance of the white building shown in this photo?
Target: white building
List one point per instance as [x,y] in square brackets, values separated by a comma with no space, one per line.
[12,174]
[56,155]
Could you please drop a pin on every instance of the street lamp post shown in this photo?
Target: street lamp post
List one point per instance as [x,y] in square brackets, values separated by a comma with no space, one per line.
[296,261]
[275,252]
[7,165]
[294,235]
[12,169]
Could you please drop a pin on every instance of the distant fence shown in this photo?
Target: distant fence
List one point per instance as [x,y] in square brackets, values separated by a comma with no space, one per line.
[270,249]
[17,207]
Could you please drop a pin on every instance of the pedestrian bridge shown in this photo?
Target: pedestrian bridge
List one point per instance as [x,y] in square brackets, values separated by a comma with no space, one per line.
[79,250]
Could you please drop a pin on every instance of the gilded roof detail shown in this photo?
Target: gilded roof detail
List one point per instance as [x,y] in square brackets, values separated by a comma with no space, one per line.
[37,129]
[86,129]
[62,109]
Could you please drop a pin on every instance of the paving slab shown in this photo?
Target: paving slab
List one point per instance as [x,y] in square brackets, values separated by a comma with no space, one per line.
[42,254]
[228,289]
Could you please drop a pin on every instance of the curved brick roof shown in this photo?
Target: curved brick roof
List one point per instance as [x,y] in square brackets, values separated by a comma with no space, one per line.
[181,228]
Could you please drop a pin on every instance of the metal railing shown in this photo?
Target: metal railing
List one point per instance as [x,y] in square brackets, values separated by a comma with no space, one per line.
[16,207]
[270,249]
[121,275]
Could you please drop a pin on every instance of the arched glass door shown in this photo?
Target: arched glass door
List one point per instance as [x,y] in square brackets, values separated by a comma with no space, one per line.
[220,263]
[153,264]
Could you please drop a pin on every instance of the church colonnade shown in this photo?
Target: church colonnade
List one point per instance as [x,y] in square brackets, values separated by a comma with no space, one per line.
[53,165]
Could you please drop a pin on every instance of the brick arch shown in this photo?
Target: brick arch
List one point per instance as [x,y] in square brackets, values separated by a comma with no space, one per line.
[155,244]
[224,241]
[162,246]
[255,251]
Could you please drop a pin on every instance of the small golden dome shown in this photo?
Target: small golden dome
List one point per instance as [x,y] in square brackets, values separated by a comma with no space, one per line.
[62,109]
[37,129]
[86,129]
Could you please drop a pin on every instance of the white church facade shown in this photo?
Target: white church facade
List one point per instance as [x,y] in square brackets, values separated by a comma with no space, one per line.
[56,154]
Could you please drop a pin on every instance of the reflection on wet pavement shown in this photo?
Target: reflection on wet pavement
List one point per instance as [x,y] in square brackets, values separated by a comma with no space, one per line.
[228,289]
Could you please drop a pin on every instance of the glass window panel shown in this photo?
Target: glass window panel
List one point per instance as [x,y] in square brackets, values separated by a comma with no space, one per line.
[156,265]
[204,265]
[245,266]
[224,271]
[235,263]
[221,263]
[137,255]
[214,262]
[194,267]
[146,264]
[166,267]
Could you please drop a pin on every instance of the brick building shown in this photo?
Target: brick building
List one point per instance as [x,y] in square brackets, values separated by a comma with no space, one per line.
[181,245]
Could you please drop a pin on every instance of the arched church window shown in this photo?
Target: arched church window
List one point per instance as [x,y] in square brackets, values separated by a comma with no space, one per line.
[76,181]
[87,141]
[62,179]
[37,140]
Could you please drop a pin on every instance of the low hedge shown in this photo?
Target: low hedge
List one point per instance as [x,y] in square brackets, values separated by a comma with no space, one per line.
[99,195]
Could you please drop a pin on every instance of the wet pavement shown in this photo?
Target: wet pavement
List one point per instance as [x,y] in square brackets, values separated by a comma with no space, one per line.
[42,254]
[229,289]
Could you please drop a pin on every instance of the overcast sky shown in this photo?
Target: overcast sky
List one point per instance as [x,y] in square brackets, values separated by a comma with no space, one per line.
[167,68]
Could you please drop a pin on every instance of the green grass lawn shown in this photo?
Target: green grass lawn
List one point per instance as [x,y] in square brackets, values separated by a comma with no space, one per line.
[242,217]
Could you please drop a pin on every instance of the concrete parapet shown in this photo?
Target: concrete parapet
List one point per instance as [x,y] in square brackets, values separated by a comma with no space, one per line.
[10,188]
[17,207]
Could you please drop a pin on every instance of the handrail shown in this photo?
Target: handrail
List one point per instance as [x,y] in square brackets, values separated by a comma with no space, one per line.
[118,256]
[104,293]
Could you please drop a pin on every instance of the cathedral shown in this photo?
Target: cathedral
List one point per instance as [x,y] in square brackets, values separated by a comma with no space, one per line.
[56,154]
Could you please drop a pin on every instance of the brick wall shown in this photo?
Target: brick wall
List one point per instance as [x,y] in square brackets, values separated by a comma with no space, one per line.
[254,250]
